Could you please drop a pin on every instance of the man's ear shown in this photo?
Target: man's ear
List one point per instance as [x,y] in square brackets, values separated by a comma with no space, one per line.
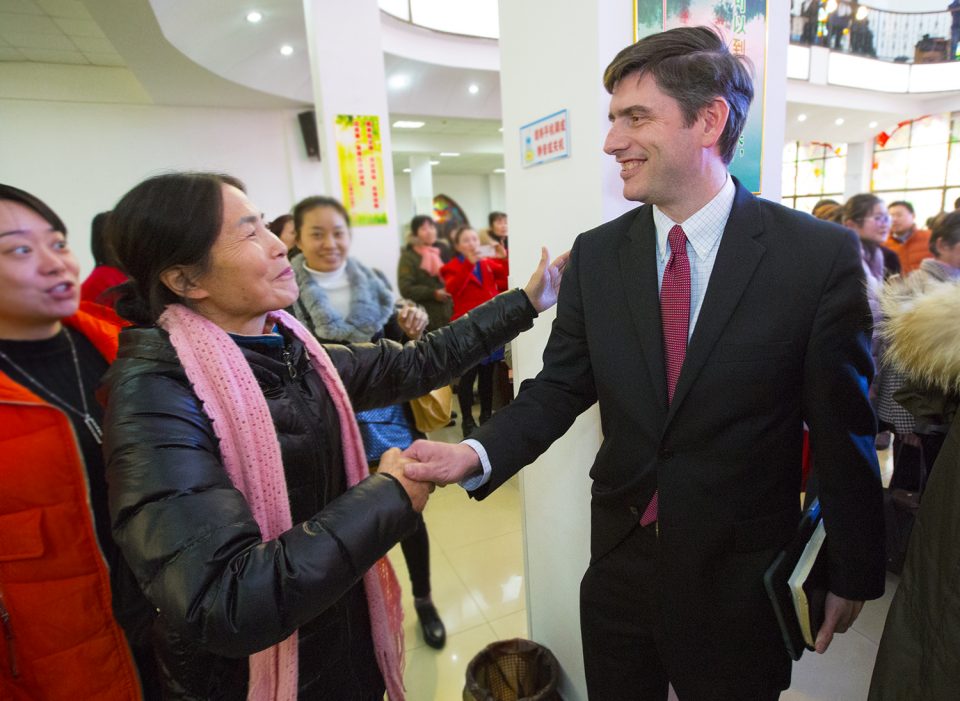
[714,117]
[182,283]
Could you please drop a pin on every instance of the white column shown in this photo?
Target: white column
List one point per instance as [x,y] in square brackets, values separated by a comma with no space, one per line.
[346,65]
[553,59]
[859,169]
[421,184]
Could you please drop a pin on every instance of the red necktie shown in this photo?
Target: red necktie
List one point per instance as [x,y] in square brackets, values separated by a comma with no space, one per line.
[675,318]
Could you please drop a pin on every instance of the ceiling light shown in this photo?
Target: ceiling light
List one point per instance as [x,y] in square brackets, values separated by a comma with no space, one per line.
[499,170]
[838,121]
[801,117]
[473,89]
[873,125]
[449,154]
[406,170]
[399,81]
[286,49]
[254,17]
[403,124]
[434,163]
[500,130]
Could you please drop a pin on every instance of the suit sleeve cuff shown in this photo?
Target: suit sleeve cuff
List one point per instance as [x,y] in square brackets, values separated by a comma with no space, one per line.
[477,481]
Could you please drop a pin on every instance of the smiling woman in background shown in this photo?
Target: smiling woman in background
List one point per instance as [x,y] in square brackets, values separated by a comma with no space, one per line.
[239,490]
[60,637]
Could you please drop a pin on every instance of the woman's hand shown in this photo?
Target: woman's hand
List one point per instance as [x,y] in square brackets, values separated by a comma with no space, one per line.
[391,463]
[544,284]
[499,251]
[441,295]
[412,320]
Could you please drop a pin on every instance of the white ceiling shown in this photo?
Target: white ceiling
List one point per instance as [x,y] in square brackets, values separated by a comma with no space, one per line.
[204,52]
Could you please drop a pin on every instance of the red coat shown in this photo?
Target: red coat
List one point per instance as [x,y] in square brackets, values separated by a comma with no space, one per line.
[469,292]
[101,279]
[54,582]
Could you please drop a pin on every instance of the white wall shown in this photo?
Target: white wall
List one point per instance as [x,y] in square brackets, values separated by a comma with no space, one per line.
[81,158]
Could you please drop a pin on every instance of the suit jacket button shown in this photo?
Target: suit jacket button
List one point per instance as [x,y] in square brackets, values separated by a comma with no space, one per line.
[665,454]
[635,510]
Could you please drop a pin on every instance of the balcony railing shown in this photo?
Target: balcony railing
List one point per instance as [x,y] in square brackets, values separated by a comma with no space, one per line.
[904,37]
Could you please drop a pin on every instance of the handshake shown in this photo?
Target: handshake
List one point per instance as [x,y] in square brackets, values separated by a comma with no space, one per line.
[428,464]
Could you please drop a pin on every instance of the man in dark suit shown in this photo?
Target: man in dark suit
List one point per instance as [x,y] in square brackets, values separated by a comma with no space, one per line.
[709,325]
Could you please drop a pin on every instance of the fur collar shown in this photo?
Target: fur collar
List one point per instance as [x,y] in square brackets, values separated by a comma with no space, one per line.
[922,329]
[371,304]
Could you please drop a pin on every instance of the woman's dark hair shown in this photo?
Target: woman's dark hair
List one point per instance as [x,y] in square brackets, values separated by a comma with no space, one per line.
[823,203]
[276,226]
[305,205]
[15,194]
[946,229]
[693,66]
[165,221]
[99,245]
[418,221]
[495,216]
[859,207]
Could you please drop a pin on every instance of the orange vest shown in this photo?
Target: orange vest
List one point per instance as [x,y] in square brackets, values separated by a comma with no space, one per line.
[912,251]
[54,582]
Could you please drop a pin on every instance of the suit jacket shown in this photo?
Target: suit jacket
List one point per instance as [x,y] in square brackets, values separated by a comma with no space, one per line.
[782,338]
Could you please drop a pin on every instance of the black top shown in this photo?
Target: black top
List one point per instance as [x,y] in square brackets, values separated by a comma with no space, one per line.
[49,361]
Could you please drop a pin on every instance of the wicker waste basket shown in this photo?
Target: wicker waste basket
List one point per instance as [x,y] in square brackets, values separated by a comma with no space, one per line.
[513,670]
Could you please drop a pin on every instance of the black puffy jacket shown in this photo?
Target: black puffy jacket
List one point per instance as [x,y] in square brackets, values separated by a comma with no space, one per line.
[216,591]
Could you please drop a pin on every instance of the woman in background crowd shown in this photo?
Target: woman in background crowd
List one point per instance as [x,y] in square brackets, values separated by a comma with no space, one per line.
[343,301]
[471,280]
[106,274]
[283,228]
[496,231]
[418,272]
[60,636]
[239,490]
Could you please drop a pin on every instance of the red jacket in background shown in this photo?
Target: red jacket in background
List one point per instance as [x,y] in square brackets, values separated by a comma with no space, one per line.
[101,279]
[61,636]
[469,292]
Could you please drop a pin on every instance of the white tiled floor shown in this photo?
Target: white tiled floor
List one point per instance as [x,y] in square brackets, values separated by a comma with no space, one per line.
[478,586]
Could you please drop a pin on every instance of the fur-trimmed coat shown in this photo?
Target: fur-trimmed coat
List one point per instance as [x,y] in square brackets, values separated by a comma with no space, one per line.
[919,655]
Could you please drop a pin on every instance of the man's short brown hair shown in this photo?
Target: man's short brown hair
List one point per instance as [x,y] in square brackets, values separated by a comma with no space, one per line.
[693,66]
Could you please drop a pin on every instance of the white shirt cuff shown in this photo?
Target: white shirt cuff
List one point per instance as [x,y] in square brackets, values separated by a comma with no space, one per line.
[477,481]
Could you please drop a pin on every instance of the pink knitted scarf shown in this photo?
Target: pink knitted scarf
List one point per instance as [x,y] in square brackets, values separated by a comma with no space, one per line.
[430,261]
[224,382]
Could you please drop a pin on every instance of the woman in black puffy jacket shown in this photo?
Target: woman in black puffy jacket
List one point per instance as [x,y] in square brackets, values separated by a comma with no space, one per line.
[231,455]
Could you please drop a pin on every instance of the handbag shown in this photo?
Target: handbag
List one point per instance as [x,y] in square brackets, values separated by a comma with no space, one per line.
[432,410]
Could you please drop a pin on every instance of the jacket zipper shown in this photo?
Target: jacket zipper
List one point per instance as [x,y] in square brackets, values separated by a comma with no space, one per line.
[8,636]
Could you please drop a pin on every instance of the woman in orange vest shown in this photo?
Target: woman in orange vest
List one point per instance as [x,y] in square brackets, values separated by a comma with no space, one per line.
[60,639]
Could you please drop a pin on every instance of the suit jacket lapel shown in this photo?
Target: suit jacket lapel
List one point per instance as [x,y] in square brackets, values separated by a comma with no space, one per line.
[638,268]
[737,258]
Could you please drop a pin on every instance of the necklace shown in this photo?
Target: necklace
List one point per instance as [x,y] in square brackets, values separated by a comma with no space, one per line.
[88,420]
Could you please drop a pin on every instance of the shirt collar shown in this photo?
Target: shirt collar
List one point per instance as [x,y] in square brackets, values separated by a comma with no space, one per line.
[704,228]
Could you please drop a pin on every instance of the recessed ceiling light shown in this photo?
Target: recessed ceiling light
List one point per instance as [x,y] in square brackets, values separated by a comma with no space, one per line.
[873,125]
[499,170]
[406,170]
[473,89]
[404,124]
[801,117]
[449,154]
[434,163]
[399,81]
[286,49]
[254,17]
[838,121]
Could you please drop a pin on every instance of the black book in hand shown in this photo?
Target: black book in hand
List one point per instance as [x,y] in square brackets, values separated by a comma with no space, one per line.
[796,583]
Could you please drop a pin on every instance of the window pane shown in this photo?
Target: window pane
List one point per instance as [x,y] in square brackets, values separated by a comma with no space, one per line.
[787,202]
[810,177]
[834,174]
[953,165]
[926,203]
[890,170]
[900,138]
[950,197]
[805,204]
[788,178]
[935,129]
[927,166]
[790,151]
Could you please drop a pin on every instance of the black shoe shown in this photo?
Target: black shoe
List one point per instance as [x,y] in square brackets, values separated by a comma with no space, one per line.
[468,428]
[434,633]
[484,418]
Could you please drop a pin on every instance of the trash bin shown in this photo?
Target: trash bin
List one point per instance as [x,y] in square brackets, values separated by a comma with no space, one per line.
[513,670]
